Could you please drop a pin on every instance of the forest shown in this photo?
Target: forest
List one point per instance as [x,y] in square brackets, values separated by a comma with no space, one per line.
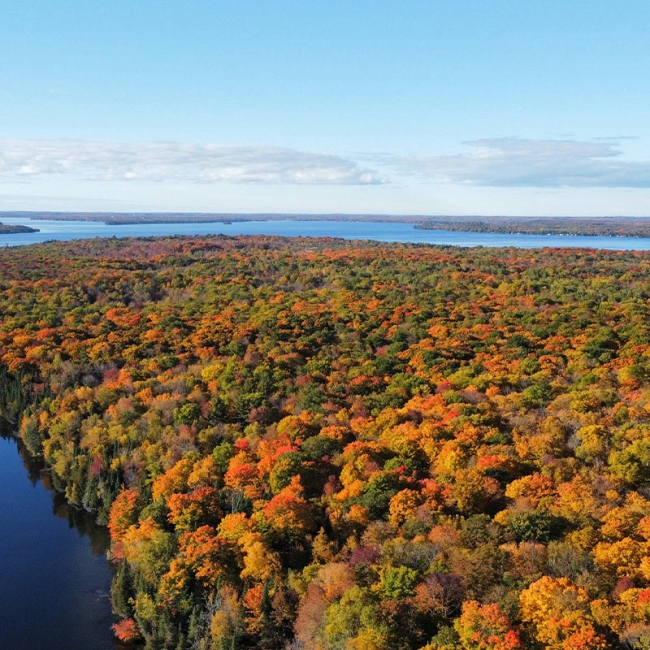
[592,226]
[311,444]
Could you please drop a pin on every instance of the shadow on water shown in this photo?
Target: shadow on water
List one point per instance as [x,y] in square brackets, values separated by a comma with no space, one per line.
[80,520]
[54,583]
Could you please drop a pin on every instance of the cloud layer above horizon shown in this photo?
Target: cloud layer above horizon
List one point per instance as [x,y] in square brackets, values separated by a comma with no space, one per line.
[515,162]
[176,161]
[498,162]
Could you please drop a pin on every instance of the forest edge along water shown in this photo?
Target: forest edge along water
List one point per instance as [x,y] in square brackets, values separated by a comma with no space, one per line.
[54,575]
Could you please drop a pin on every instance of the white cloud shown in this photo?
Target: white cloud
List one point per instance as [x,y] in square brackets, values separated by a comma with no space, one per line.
[502,162]
[175,161]
[514,162]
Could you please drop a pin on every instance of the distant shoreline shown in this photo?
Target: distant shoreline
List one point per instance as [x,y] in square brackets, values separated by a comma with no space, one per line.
[635,227]
[126,218]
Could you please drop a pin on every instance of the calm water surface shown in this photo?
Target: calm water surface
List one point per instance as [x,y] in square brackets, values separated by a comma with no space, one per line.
[387,232]
[54,577]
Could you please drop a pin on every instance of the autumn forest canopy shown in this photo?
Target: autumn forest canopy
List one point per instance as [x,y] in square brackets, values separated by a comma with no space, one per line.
[323,445]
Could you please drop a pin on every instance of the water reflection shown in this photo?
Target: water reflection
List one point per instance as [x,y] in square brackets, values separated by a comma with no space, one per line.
[78,519]
[54,576]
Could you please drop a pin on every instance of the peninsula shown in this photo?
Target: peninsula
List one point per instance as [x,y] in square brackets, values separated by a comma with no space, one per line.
[10,230]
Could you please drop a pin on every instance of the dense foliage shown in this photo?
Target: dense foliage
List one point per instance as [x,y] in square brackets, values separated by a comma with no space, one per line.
[313,444]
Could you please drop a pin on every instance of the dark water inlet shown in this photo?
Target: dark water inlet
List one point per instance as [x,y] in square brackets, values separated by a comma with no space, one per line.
[54,576]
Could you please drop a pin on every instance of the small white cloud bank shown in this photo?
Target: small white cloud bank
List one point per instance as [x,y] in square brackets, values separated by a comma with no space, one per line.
[514,162]
[175,161]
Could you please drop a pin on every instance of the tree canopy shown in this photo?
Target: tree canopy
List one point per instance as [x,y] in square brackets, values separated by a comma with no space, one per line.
[309,443]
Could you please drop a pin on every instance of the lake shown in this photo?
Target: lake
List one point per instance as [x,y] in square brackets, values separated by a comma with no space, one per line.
[54,576]
[378,231]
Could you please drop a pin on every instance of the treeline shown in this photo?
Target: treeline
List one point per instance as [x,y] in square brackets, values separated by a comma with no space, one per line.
[595,227]
[322,445]
[10,230]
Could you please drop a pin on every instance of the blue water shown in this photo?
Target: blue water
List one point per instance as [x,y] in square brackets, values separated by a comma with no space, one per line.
[378,231]
[54,576]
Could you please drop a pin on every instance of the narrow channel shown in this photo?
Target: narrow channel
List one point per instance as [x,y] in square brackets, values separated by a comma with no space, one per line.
[54,576]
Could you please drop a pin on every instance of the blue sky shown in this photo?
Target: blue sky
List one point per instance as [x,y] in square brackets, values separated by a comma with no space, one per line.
[454,107]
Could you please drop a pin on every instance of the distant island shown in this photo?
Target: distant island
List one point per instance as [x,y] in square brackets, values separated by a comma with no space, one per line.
[587,226]
[11,230]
